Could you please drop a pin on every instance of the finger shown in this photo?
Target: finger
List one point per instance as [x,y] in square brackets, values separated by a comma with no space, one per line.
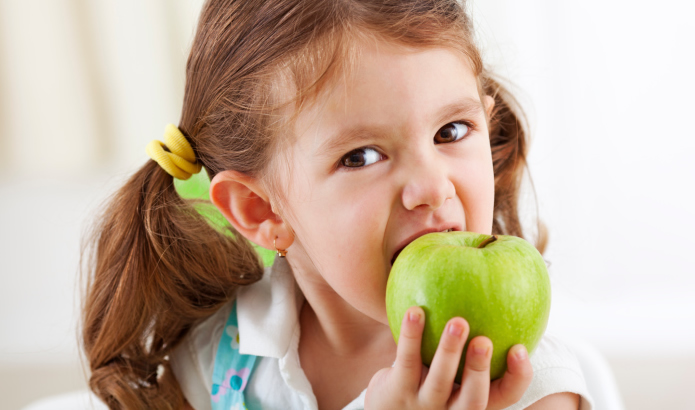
[475,383]
[408,365]
[508,390]
[436,390]
[423,375]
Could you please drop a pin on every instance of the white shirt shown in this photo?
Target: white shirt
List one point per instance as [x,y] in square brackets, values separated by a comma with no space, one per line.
[268,319]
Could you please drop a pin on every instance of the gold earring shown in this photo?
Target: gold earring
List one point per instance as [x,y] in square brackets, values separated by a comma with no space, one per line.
[281,252]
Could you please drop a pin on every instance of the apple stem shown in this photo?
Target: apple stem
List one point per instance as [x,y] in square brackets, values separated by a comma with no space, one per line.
[487,241]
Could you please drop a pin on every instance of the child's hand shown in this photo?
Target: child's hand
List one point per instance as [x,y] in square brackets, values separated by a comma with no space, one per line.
[409,385]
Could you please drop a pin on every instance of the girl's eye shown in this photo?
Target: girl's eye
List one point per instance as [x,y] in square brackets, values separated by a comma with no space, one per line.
[451,132]
[360,157]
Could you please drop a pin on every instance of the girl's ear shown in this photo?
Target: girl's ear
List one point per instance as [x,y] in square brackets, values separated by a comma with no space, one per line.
[489,104]
[242,201]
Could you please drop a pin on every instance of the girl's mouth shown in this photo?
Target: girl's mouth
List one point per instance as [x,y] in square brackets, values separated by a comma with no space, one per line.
[395,256]
[398,252]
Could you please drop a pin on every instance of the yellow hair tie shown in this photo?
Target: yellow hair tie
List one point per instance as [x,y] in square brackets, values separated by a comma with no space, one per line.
[180,163]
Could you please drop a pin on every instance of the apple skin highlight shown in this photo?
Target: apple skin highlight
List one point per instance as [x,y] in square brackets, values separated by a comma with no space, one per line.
[502,289]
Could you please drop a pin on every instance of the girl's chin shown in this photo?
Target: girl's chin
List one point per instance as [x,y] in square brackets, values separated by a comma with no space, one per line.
[377,314]
[382,317]
[383,320]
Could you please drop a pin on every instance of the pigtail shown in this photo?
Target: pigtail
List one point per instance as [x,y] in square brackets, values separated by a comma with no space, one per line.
[155,269]
[509,143]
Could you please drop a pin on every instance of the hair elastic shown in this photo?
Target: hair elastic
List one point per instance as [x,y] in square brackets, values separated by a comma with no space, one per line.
[179,161]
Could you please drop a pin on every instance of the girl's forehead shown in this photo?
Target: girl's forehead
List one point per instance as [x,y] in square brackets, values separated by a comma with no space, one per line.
[388,84]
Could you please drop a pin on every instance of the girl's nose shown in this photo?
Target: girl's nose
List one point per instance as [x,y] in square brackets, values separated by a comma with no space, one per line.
[427,185]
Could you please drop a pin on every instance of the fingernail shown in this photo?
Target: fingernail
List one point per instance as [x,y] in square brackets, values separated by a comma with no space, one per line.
[414,316]
[455,330]
[480,350]
[521,354]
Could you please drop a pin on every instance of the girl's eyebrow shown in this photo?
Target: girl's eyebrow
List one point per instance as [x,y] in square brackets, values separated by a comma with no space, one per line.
[338,142]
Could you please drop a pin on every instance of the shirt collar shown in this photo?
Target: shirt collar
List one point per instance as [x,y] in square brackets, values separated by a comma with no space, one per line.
[268,312]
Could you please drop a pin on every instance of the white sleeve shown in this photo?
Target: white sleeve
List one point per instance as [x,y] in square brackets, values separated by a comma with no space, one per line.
[555,370]
[193,361]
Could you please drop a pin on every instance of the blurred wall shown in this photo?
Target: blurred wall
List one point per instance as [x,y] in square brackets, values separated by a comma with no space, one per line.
[609,88]
[85,86]
[607,85]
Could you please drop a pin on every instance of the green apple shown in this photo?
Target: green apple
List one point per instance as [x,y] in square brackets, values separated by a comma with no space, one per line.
[499,284]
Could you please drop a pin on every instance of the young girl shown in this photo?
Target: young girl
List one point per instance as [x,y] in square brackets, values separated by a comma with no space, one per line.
[334,132]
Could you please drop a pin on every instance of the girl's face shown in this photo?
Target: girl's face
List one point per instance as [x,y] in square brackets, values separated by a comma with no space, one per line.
[398,149]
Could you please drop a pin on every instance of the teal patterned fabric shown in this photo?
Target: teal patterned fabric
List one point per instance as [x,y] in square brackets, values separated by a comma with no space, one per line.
[232,370]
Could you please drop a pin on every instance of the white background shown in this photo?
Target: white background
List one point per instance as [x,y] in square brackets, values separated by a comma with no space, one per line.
[607,85]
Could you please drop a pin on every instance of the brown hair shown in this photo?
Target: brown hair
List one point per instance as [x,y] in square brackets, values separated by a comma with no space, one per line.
[155,267]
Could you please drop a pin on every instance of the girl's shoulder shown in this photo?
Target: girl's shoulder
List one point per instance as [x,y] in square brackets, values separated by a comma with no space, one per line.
[554,351]
[556,369]
[193,360]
